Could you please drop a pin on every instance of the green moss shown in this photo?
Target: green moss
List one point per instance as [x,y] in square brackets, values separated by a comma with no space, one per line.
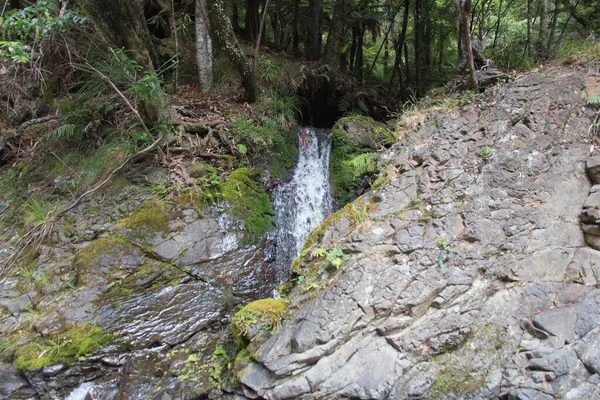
[317,234]
[249,201]
[78,341]
[88,256]
[267,312]
[283,154]
[455,381]
[151,217]
[348,163]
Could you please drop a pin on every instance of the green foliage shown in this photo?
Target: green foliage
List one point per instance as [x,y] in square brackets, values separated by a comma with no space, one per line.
[486,153]
[79,341]
[249,201]
[283,108]
[40,213]
[445,252]
[359,212]
[66,132]
[257,136]
[335,258]
[27,28]
[266,312]
[593,100]
[219,367]
[348,163]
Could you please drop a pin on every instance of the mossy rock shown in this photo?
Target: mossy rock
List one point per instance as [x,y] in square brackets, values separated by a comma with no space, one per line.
[259,316]
[365,131]
[79,341]
[88,256]
[284,154]
[249,201]
[349,163]
[150,218]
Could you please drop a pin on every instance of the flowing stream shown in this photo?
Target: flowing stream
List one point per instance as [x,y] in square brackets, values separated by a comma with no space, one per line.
[305,201]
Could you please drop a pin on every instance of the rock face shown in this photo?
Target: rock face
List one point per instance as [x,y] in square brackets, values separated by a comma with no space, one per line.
[162,277]
[466,275]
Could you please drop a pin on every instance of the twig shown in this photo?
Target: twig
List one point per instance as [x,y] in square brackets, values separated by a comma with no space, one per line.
[110,176]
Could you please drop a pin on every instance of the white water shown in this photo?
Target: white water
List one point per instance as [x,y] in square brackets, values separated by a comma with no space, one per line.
[305,201]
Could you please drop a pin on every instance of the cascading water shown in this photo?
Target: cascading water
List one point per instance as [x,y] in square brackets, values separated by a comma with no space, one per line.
[305,201]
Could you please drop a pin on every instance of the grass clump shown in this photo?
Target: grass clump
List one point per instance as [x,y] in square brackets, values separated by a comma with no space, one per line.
[79,341]
[151,217]
[266,312]
[249,201]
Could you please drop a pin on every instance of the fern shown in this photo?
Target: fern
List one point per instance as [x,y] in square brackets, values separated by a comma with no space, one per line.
[362,163]
[593,101]
[66,132]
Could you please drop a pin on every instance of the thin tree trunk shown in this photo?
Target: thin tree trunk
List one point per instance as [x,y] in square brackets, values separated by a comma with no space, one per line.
[313,32]
[529,40]
[296,34]
[497,30]
[541,44]
[176,36]
[401,44]
[203,47]
[461,10]
[260,33]
[552,29]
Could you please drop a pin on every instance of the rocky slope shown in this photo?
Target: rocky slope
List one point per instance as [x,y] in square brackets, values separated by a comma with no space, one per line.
[150,283]
[466,274]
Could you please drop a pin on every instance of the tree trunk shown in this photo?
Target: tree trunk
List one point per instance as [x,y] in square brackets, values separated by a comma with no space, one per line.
[313,30]
[397,71]
[497,29]
[252,18]
[123,24]
[461,10]
[296,34]
[419,50]
[335,39]
[529,40]
[235,17]
[541,44]
[222,35]
[203,47]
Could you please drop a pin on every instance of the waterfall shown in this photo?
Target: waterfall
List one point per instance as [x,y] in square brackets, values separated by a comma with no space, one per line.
[305,201]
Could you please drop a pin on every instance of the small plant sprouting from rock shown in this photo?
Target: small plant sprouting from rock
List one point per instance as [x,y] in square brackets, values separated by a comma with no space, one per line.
[266,312]
[486,153]
[335,258]
[220,366]
[415,201]
[445,251]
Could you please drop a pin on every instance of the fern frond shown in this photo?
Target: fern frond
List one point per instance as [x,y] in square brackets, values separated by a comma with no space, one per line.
[65,132]
[363,163]
[593,100]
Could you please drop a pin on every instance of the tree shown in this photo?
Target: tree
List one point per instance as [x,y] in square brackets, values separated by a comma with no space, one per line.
[335,40]
[222,34]
[313,33]
[123,23]
[461,9]
[203,47]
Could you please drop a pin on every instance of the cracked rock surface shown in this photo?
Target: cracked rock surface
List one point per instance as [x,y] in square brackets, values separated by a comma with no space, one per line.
[166,296]
[471,276]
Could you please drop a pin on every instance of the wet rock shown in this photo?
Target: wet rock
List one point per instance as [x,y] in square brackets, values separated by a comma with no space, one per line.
[14,385]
